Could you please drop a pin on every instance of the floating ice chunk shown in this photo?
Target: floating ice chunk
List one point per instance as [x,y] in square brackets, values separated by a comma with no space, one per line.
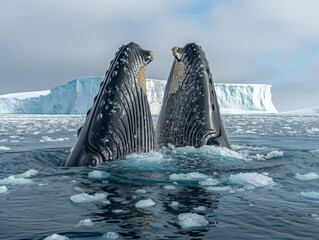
[56,237]
[27,174]
[85,198]
[315,215]
[187,220]
[12,180]
[219,189]
[312,130]
[117,210]
[145,203]
[199,208]
[98,174]
[169,187]
[209,182]
[3,148]
[193,176]
[140,191]
[78,189]
[251,179]
[111,235]
[222,151]
[307,176]
[43,184]
[174,204]
[106,202]
[3,189]
[310,195]
[48,139]
[86,222]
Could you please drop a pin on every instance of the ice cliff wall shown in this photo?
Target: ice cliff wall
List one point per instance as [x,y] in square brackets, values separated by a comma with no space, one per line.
[76,97]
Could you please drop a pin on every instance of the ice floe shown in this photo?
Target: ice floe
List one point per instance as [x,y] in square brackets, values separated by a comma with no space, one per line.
[3,189]
[174,204]
[312,195]
[12,180]
[85,198]
[188,220]
[209,182]
[86,222]
[106,202]
[219,189]
[48,139]
[251,179]
[78,189]
[145,203]
[111,235]
[3,148]
[141,191]
[193,176]
[56,237]
[117,210]
[315,215]
[307,176]
[199,208]
[98,175]
[169,187]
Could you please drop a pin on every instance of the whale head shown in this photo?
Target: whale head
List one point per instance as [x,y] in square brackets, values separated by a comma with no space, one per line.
[119,122]
[190,113]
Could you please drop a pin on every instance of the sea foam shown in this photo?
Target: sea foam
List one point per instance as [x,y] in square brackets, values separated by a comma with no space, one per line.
[27,174]
[111,235]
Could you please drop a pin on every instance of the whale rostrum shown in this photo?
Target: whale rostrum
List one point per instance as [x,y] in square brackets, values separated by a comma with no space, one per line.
[190,113]
[120,121]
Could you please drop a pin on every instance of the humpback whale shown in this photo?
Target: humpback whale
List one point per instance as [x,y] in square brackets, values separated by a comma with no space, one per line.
[190,113]
[120,121]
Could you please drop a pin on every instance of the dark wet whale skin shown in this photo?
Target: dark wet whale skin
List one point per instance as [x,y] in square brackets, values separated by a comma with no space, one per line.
[190,113]
[119,122]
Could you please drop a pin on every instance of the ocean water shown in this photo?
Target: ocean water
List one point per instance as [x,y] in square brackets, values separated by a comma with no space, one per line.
[267,187]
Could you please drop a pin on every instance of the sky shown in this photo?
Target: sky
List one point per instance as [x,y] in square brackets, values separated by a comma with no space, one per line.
[47,43]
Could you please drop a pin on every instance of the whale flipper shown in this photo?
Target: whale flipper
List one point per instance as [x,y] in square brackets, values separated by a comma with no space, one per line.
[190,113]
[119,122]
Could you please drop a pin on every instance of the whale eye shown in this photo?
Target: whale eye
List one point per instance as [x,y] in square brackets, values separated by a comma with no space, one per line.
[91,162]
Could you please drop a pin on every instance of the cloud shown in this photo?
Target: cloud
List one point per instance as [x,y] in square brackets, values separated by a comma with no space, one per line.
[45,43]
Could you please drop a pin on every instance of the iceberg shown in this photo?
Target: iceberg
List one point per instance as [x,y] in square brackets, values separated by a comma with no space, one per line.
[304,111]
[76,97]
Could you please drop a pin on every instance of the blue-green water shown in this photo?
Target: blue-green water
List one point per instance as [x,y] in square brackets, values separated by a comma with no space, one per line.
[264,202]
